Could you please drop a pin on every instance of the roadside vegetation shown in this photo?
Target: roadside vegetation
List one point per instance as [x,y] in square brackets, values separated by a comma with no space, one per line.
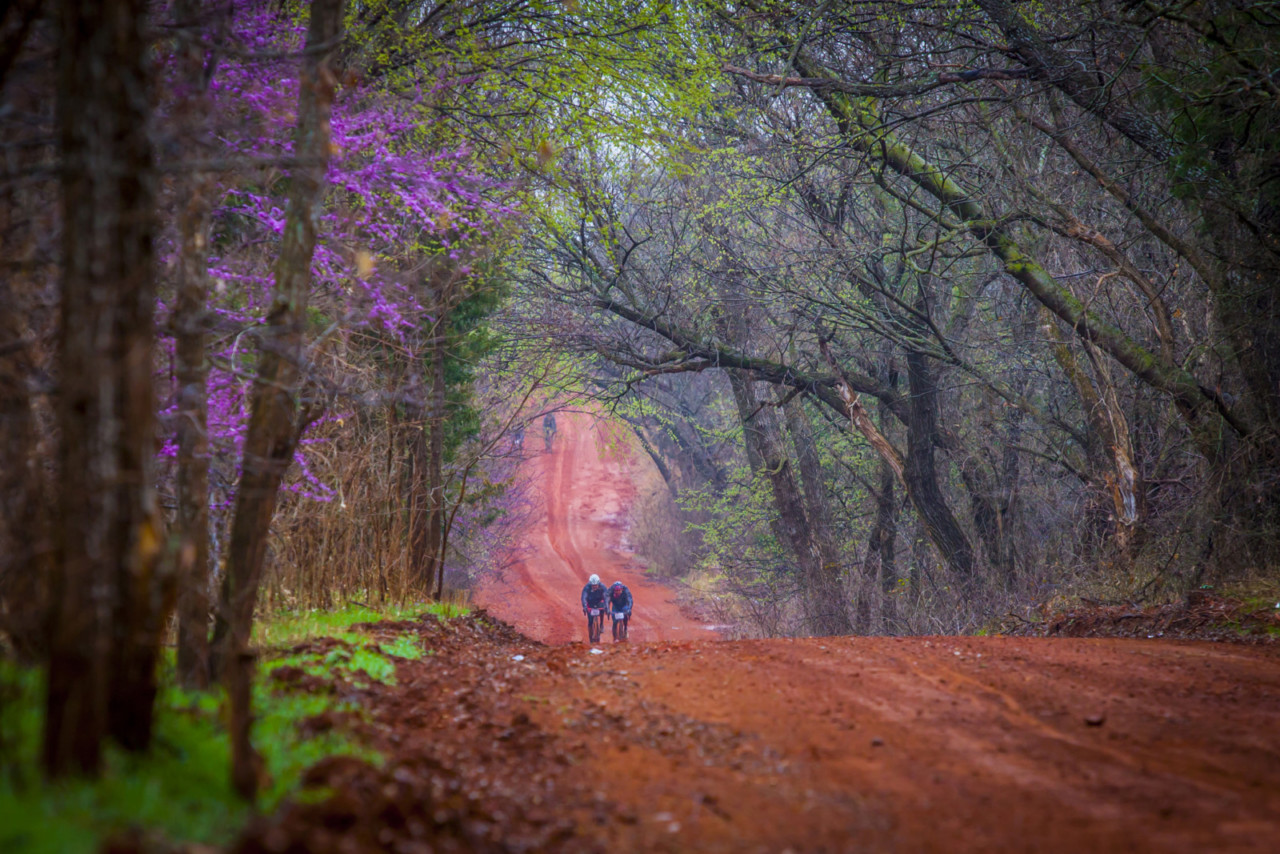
[180,790]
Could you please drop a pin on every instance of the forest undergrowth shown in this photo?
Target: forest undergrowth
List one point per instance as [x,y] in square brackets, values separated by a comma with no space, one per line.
[312,667]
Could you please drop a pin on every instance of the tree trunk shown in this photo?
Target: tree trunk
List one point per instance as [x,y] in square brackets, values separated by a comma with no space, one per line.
[25,548]
[420,550]
[274,427]
[108,602]
[1109,452]
[190,368]
[435,458]
[24,543]
[916,471]
[880,565]
[818,520]
[921,472]
[822,596]
[663,469]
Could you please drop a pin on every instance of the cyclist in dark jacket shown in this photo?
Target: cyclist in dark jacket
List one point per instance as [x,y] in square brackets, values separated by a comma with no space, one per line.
[620,599]
[620,609]
[594,594]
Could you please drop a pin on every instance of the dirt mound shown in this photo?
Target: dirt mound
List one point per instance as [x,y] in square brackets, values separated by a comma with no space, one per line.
[465,767]
[1201,616]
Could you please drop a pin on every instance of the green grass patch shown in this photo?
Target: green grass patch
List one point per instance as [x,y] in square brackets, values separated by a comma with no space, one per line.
[405,646]
[360,662]
[285,628]
[180,791]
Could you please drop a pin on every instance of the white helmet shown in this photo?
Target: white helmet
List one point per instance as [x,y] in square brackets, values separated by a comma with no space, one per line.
[594,579]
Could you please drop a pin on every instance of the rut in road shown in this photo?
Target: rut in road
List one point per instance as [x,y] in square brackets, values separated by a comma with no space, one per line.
[588,483]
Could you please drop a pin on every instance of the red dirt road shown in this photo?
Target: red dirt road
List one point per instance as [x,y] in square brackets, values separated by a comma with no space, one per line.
[496,742]
[587,483]
[879,744]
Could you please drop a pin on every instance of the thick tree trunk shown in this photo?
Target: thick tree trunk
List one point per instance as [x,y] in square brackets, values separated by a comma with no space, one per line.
[273,429]
[24,538]
[108,602]
[191,370]
[24,542]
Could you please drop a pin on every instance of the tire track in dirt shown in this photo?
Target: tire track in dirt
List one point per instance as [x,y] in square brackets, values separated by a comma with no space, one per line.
[588,484]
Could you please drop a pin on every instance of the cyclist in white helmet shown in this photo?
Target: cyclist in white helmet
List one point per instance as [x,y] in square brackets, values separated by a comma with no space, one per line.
[593,602]
[593,594]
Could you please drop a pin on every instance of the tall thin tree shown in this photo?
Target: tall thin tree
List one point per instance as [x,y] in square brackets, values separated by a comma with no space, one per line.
[274,425]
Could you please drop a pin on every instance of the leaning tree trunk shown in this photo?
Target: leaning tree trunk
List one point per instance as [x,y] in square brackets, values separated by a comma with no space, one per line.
[1112,468]
[274,426]
[108,603]
[822,594]
[916,471]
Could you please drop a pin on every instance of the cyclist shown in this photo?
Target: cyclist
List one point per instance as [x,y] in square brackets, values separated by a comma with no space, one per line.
[593,595]
[620,602]
[548,428]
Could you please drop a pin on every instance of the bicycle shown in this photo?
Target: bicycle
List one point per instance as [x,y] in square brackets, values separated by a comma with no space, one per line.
[595,624]
[620,622]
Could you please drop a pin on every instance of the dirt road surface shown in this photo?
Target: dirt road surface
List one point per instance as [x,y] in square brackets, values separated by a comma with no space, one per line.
[678,742]
[587,483]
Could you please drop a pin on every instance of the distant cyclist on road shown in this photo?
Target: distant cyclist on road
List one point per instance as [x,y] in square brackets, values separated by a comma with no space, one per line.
[620,602]
[548,429]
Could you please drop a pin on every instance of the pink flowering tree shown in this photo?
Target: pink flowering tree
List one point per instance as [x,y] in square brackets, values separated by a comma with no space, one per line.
[401,222]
